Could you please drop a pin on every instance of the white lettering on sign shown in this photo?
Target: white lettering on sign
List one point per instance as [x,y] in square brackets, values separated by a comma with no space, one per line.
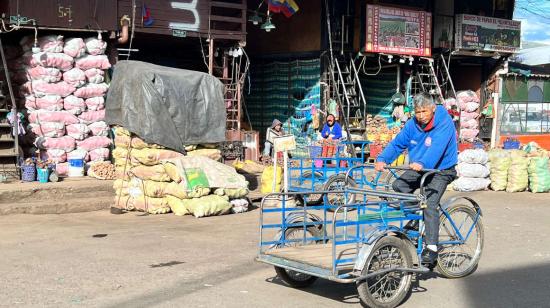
[191,7]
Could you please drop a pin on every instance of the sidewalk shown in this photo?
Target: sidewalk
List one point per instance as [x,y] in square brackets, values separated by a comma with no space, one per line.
[70,195]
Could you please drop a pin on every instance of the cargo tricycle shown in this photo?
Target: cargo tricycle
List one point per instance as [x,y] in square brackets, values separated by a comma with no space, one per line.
[376,241]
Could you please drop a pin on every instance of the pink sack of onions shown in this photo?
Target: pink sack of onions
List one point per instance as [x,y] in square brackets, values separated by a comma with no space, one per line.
[58,60]
[94,142]
[78,154]
[470,107]
[100,154]
[469,134]
[48,102]
[95,75]
[99,129]
[95,46]
[74,47]
[87,62]
[465,116]
[78,131]
[47,74]
[92,90]
[74,105]
[62,169]
[41,88]
[469,124]
[65,143]
[88,117]
[48,129]
[75,77]
[95,103]
[56,155]
[53,116]
[449,102]
[51,43]
[27,59]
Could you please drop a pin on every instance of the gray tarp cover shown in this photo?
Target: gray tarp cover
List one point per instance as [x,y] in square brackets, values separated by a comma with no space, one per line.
[167,106]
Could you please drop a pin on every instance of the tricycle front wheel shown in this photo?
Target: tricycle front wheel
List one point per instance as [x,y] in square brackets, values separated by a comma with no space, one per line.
[387,289]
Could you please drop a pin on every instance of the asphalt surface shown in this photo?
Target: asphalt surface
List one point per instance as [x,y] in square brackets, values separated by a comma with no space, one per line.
[101,260]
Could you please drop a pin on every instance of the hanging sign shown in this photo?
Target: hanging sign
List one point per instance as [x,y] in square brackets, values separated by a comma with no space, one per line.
[487,33]
[398,31]
[284,143]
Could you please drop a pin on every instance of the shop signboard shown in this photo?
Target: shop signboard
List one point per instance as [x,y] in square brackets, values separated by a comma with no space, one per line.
[398,31]
[488,33]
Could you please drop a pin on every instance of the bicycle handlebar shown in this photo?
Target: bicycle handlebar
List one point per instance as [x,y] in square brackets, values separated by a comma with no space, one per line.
[427,173]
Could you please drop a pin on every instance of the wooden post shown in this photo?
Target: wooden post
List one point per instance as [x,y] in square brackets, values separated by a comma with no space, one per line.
[211,56]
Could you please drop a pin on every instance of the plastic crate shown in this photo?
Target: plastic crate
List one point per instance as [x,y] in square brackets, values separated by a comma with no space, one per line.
[511,144]
[28,173]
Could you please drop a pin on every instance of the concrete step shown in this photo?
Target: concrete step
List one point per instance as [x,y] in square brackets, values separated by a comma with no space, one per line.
[68,196]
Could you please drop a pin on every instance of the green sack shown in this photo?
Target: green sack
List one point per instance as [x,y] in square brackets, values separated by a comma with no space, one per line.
[539,174]
[196,178]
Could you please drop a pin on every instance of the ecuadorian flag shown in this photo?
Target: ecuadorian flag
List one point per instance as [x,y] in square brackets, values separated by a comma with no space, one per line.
[287,7]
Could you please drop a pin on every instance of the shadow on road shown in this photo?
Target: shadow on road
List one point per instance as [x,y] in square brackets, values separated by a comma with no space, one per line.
[527,286]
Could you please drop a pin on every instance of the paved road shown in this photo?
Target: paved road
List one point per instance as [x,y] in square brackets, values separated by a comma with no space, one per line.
[102,260]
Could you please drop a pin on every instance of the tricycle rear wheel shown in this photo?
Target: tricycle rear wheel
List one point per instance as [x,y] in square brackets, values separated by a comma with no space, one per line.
[387,289]
[293,278]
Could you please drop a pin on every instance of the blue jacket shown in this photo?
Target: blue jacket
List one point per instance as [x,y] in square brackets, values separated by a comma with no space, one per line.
[336,131]
[433,149]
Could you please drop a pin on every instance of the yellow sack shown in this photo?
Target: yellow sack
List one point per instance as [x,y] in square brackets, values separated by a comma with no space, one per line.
[176,190]
[119,183]
[173,172]
[207,205]
[120,174]
[232,193]
[151,157]
[213,154]
[122,141]
[121,131]
[122,202]
[153,173]
[267,179]
[177,205]
[138,143]
[120,154]
[150,205]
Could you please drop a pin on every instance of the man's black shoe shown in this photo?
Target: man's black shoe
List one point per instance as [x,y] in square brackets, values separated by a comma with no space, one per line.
[429,258]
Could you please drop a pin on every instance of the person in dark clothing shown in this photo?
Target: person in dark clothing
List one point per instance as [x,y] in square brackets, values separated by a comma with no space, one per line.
[430,139]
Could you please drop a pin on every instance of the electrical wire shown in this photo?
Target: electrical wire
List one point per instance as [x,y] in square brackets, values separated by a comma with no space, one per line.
[133,28]
[362,66]
[203,55]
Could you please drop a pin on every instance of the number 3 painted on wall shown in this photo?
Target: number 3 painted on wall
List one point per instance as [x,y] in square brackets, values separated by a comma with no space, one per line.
[191,7]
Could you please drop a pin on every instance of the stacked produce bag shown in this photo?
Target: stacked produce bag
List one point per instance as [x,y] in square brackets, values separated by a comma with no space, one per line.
[538,169]
[468,102]
[472,170]
[156,180]
[64,96]
[500,161]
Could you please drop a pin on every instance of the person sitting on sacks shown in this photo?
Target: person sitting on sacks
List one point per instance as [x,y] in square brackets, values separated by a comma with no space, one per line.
[275,130]
[332,129]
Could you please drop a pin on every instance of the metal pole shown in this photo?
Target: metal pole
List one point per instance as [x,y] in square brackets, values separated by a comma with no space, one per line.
[210,56]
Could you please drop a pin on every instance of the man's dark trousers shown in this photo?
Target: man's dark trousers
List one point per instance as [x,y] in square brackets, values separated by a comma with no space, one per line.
[435,186]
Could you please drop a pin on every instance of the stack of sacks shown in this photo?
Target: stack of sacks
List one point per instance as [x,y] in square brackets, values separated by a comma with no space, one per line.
[472,170]
[156,180]
[500,161]
[64,96]
[468,102]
